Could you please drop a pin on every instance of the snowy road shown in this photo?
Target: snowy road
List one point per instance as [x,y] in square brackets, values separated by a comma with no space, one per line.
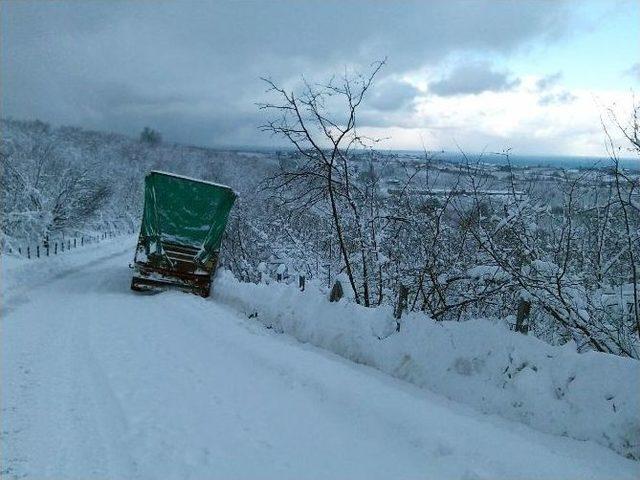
[98,382]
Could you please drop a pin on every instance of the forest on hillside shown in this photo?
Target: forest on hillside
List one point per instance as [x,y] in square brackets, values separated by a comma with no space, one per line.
[551,252]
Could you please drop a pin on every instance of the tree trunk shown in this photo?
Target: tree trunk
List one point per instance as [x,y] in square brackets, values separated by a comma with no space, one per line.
[403,295]
[524,308]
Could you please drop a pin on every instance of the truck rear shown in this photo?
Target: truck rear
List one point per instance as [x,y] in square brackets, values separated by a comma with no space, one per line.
[183,223]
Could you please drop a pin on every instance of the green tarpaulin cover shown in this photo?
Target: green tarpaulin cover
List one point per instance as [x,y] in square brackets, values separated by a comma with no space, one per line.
[185,211]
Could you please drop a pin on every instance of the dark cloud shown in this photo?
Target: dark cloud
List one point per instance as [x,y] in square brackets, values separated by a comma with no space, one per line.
[390,95]
[123,65]
[473,78]
[561,98]
[548,81]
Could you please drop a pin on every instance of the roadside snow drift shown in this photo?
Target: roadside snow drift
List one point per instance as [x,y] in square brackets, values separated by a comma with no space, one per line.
[590,396]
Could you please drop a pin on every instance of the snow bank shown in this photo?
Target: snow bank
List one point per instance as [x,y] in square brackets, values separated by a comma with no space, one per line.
[590,396]
[19,273]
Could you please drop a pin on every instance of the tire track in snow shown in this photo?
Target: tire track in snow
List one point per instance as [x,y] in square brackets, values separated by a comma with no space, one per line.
[16,297]
[46,384]
[106,410]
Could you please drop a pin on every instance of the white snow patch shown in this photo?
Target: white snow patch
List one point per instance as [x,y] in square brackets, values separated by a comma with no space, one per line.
[590,396]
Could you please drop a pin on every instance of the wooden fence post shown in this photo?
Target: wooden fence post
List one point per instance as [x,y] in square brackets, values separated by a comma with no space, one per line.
[524,308]
[74,242]
[301,281]
[28,252]
[47,247]
[336,292]
[401,306]
[55,248]
[38,251]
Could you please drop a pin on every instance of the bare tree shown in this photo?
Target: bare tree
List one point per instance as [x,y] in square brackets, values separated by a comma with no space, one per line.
[321,123]
[625,188]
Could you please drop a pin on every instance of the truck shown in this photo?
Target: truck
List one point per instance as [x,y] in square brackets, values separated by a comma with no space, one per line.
[183,222]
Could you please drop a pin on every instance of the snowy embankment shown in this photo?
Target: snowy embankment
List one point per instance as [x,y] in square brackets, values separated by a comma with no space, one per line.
[101,382]
[590,396]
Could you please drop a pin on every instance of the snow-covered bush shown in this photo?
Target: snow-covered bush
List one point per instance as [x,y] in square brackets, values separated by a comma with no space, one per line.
[66,180]
[561,246]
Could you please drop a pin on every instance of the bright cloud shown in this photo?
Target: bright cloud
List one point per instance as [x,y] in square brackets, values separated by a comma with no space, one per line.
[569,124]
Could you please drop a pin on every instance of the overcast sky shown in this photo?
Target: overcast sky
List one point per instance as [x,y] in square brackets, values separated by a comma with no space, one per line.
[531,76]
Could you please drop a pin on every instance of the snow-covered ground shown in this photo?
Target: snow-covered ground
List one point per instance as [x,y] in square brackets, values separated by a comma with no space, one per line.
[99,382]
[589,396]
